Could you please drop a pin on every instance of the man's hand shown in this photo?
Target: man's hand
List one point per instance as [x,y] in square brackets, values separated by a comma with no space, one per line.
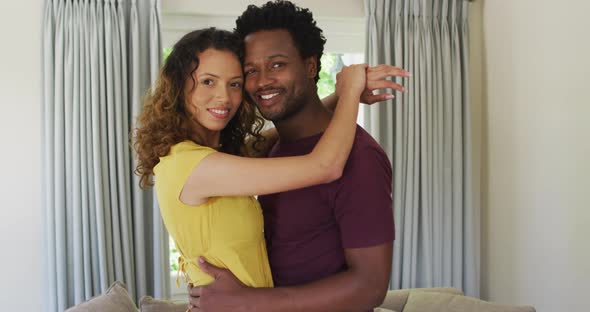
[222,295]
[376,80]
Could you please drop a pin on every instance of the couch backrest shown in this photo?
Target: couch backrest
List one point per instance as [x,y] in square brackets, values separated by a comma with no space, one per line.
[439,302]
[396,299]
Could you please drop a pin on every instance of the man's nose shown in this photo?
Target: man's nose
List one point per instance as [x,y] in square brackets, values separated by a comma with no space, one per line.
[264,79]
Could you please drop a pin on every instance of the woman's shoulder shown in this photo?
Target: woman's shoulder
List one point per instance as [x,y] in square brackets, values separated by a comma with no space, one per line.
[188,146]
[183,156]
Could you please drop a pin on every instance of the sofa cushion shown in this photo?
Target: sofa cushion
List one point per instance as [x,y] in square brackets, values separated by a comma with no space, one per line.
[115,299]
[396,299]
[149,304]
[428,301]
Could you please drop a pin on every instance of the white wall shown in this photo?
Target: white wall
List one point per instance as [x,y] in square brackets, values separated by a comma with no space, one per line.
[536,152]
[20,157]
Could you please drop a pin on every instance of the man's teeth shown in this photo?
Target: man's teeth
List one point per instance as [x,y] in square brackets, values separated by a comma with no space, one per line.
[220,111]
[268,96]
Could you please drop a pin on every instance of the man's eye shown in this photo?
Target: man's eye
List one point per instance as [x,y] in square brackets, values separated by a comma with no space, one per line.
[249,71]
[277,65]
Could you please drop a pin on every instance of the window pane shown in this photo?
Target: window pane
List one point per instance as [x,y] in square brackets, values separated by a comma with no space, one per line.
[174,254]
[165,53]
[331,65]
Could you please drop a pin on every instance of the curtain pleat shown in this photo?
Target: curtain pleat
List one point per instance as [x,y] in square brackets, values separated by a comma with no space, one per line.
[99,229]
[427,135]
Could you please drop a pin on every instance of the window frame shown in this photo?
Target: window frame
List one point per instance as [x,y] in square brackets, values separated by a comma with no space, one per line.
[346,36]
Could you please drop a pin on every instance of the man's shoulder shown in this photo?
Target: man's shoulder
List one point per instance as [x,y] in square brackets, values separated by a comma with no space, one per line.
[367,160]
[366,148]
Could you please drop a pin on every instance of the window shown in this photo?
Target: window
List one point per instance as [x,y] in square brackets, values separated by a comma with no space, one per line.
[346,33]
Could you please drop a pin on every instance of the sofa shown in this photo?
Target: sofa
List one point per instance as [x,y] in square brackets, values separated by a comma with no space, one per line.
[116,299]
[441,300]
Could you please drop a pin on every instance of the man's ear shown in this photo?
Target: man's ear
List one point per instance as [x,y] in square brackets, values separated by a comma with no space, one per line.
[311,66]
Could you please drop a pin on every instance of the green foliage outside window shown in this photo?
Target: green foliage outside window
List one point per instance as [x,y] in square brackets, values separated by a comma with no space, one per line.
[165,53]
[174,254]
[331,65]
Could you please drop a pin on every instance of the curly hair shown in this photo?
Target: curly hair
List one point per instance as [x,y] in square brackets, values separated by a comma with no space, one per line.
[165,121]
[308,38]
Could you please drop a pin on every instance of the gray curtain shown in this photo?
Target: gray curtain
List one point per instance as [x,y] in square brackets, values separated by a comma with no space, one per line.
[99,57]
[427,135]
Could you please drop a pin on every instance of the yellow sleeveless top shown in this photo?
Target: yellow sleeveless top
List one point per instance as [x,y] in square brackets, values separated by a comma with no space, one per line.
[226,231]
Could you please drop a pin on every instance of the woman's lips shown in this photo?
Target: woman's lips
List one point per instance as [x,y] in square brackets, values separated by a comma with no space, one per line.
[220,113]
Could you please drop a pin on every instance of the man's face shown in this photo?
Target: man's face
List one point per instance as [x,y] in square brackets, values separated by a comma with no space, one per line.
[277,79]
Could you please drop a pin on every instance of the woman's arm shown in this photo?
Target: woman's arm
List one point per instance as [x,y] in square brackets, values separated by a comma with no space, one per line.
[221,174]
[330,101]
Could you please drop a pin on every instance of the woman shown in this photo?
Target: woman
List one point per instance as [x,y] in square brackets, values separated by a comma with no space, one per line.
[191,138]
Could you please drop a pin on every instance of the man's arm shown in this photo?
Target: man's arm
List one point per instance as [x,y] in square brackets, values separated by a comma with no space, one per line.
[360,288]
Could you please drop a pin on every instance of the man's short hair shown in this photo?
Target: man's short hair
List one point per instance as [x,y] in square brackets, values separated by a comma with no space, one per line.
[280,14]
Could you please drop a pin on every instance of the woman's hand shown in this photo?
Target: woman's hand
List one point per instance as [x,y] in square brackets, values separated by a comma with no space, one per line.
[351,80]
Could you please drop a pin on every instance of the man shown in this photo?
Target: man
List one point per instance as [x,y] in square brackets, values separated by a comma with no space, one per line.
[330,246]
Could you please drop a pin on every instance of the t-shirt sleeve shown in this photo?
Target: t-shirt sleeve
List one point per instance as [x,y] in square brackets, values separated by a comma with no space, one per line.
[173,170]
[363,201]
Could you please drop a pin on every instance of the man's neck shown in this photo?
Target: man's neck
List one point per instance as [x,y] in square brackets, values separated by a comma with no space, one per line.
[314,118]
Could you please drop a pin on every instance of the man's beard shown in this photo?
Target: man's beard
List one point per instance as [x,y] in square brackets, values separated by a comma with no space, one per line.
[292,106]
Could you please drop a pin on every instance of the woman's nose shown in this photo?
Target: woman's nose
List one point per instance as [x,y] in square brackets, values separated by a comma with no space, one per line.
[222,94]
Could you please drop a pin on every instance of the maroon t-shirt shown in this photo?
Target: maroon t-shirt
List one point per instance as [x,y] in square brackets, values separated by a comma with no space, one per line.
[308,229]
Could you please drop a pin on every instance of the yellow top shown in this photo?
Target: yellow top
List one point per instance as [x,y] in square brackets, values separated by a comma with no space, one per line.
[227,231]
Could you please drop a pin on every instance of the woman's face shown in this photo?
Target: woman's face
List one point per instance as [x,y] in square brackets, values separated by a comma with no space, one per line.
[217,94]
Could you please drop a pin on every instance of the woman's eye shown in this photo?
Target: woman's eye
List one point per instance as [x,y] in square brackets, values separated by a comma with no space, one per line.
[207,82]
[236,85]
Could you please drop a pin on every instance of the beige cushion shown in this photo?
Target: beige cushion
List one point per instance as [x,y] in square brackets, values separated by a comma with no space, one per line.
[427,301]
[149,304]
[396,299]
[382,310]
[115,299]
